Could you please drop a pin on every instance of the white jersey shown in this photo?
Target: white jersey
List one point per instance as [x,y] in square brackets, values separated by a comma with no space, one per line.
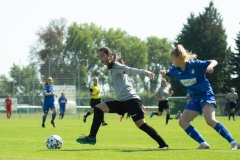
[232,97]
[121,83]
[163,92]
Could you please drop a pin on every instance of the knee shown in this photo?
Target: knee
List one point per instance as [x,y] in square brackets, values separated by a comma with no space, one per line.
[211,122]
[183,123]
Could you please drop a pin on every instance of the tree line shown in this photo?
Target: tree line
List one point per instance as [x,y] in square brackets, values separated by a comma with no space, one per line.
[63,52]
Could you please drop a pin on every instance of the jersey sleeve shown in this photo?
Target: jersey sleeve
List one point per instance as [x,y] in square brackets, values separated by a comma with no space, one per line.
[170,71]
[201,64]
[121,69]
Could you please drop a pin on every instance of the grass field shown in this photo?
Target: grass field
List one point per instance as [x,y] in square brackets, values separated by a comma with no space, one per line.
[24,139]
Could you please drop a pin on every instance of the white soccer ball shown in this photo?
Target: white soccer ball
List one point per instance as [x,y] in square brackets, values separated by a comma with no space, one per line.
[54,142]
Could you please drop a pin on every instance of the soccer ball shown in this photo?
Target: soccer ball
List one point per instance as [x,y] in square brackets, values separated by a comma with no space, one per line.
[54,142]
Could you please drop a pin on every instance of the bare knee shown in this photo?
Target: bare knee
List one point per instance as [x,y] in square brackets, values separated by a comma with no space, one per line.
[211,122]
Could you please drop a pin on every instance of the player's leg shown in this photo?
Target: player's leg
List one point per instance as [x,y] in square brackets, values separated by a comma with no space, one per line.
[167,114]
[54,113]
[184,122]
[138,117]
[97,120]
[209,115]
[45,114]
[63,113]
[160,110]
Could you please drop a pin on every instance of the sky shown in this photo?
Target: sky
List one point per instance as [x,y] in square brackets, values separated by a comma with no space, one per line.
[21,19]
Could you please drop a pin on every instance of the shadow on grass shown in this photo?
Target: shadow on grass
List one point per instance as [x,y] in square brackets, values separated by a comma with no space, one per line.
[104,149]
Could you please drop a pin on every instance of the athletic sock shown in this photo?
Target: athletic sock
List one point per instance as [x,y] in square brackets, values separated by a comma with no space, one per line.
[53,116]
[62,115]
[156,113]
[167,118]
[88,113]
[43,119]
[153,133]
[222,130]
[97,119]
[103,119]
[194,134]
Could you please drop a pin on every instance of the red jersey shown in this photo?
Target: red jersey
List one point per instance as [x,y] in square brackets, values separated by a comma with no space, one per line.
[8,103]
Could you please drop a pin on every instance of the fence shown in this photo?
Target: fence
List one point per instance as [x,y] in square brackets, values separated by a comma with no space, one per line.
[176,103]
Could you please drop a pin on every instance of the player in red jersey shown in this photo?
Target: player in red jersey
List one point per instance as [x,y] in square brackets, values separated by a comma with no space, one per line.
[8,105]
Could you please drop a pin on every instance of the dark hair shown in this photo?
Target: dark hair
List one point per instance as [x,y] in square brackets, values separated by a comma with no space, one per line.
[114,57]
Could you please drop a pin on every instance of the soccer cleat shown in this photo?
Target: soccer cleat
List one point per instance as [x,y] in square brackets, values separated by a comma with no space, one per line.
[104,124]
[43,125]
[53,124]
[152,114]
[204,146]
[164,147]
[86,140]
[84,118]
[235,146]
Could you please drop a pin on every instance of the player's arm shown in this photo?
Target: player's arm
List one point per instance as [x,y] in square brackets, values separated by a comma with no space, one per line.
[170,93]
[211,66]
[164,74]
[91,92]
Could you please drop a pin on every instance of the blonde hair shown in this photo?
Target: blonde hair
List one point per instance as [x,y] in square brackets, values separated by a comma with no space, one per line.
[179,51]
[95,78]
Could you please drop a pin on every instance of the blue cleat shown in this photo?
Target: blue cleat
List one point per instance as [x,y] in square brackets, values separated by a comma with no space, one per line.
[152,114]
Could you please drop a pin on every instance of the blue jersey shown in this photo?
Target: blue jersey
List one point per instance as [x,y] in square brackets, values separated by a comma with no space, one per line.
[48,99]
[193,78]
[62,101]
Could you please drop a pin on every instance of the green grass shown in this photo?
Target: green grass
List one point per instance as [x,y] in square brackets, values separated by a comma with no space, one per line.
[24,139]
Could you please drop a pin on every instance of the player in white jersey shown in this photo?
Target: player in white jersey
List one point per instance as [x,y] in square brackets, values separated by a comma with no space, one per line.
[232,98]
[163,94]
[191,73]
[127,98]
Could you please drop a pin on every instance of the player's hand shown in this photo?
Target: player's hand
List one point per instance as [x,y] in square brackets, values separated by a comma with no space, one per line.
[209,69]
[163,72]
[150,74]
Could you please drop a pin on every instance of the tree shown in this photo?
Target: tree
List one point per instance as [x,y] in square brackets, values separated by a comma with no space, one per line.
[158,58]
[205,36]
[47,54]
[234,62]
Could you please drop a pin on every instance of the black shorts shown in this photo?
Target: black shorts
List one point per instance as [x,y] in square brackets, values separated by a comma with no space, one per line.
[132,106]
[163,105]
[94,102]
[232,105]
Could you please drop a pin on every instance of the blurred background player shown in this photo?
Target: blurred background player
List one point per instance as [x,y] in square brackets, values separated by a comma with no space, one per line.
[179,115]
[127,118]
[49,102]
[163,94]
[8,106]
[62,104]
[95,93]
[232,97]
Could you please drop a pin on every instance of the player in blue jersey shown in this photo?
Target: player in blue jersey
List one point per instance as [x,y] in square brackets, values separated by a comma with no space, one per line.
[127,98]
[48,103]
[62,104]
[191,73]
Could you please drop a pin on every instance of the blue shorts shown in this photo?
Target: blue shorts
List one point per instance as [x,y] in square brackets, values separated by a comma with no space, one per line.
[197,105]
[62,109]
[47,106]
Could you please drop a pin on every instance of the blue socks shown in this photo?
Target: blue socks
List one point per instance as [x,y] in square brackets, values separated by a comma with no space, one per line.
[43,119]
[222,130]
[194,134]
[53,116]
